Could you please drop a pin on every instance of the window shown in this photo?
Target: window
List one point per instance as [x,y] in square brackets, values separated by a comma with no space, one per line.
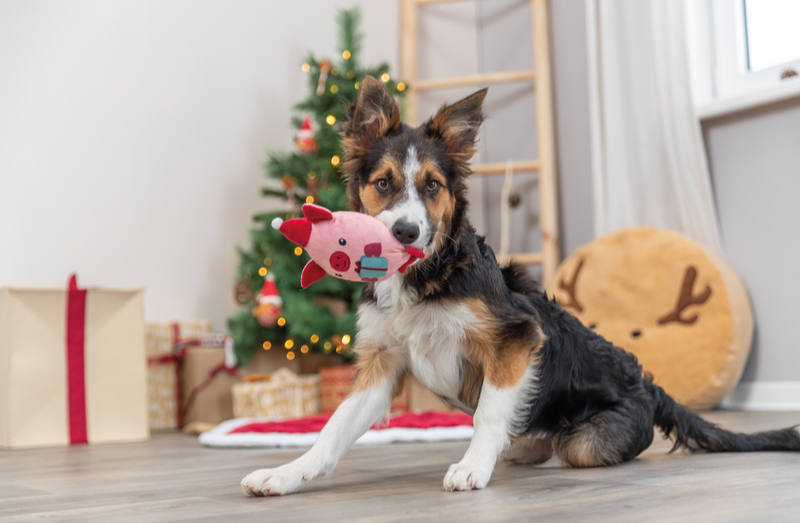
[743,47]
[772,32]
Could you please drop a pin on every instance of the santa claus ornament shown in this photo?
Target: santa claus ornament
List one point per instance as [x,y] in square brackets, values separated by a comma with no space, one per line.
[270,304]
[306,140]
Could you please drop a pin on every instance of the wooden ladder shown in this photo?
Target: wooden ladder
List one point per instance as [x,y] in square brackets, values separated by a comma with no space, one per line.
[540,79]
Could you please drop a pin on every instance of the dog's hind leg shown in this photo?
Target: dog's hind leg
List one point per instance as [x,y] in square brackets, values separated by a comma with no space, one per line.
[609,437]
[529,449]
[377,381]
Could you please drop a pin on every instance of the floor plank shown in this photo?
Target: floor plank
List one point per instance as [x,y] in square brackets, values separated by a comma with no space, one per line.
[173,478]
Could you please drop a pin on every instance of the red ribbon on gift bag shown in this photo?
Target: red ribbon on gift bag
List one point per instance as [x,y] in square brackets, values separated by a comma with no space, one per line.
[76,368]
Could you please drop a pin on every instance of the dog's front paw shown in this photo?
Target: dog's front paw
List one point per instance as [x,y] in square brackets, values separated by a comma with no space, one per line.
[274,482]
[466,476]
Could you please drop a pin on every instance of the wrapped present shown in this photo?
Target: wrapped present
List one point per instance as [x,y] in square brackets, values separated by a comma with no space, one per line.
[72,366]
[280,395]
[163,371]
[208,371]
[422,399]
[336,382]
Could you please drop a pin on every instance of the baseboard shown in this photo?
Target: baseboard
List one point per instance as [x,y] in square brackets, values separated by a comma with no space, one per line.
[764,395]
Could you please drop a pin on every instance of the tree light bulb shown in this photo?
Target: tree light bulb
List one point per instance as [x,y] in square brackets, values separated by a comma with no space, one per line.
[334,89]
[304,349]
[290,355]
[306,68]
[346,54]
[314,338]
[262,271]
[401,86]
[385,77]
[267,345]
[330,119]
[346,339]
[281,322]
[289,344]
[335,160]
[298,251]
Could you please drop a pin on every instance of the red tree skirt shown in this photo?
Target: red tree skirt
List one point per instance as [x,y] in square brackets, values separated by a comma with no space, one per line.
[416,426]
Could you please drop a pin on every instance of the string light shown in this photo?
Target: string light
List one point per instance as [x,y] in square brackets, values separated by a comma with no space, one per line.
[346,339]
[401,86]
[351,74]
[290,355]
[334,89]
[262,271]
[339,349]
[304,349]
[346,54]
[335,160]
[357,84]
[330,119]
[327,346]
[298,251]
[267,345]
[314,338]
[281,322]
[309,199]
[267,262]
[306,68]
[334,71]
[288,216]
[312,175]
[289,344]
[385,77]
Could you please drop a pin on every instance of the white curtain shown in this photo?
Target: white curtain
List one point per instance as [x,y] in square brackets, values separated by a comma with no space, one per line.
[648,160]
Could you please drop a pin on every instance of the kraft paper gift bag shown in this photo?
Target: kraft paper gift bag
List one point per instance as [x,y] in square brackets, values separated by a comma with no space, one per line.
[72,367]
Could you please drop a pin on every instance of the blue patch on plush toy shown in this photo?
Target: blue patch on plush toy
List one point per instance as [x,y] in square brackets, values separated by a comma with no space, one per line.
[372,267]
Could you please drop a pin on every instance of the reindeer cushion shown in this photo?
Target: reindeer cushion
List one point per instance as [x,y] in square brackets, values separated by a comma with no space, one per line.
[680,309]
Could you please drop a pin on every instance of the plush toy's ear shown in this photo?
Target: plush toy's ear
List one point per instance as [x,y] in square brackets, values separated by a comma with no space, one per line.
[316,213]
[311,273]
[297,230]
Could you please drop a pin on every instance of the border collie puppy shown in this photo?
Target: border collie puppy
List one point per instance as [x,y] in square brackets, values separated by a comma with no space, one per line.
[483,337]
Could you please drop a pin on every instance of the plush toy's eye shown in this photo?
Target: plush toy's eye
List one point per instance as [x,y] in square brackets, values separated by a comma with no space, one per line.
[342,241]
[382,184]
[433,186]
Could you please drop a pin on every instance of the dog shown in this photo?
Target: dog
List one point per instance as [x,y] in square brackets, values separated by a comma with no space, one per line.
[483,337]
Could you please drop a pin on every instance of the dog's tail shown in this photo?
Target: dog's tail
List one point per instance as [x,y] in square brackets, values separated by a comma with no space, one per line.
[696,434]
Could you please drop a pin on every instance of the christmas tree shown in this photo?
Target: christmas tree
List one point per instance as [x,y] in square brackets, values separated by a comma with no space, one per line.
[276,314]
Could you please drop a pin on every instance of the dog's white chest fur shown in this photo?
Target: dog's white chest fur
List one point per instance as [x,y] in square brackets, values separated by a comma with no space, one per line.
[431,336]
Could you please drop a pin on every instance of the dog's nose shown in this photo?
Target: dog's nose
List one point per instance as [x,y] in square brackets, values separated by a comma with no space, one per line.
[406,233]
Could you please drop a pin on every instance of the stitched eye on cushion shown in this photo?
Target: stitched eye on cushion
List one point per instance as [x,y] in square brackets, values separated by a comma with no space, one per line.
[342,242]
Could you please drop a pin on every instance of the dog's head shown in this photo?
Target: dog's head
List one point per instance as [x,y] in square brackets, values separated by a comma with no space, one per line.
[410,178]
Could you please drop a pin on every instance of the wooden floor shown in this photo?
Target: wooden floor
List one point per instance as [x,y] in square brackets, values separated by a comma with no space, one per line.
[173,478]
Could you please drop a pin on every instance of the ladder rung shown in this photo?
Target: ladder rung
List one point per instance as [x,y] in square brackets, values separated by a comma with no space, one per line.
[428,2]
[484,169]
[528,258]
[472,79]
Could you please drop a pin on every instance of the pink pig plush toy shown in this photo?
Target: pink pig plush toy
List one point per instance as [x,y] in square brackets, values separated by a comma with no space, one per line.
[347,245]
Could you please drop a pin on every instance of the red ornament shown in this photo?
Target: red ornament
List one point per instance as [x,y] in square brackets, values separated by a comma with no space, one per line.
[306,140]
[270,304]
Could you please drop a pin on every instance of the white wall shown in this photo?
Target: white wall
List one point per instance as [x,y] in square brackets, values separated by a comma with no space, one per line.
[132,135]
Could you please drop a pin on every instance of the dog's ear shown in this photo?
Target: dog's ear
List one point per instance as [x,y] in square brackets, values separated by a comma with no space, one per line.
[457,125]
[374,114]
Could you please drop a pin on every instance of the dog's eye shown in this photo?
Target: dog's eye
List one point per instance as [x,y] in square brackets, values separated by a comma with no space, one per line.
[433,186]
[382,184]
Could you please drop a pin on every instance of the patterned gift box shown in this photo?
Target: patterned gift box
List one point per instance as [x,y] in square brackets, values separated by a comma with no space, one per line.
[163,390]
[280,395]
[336,382]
